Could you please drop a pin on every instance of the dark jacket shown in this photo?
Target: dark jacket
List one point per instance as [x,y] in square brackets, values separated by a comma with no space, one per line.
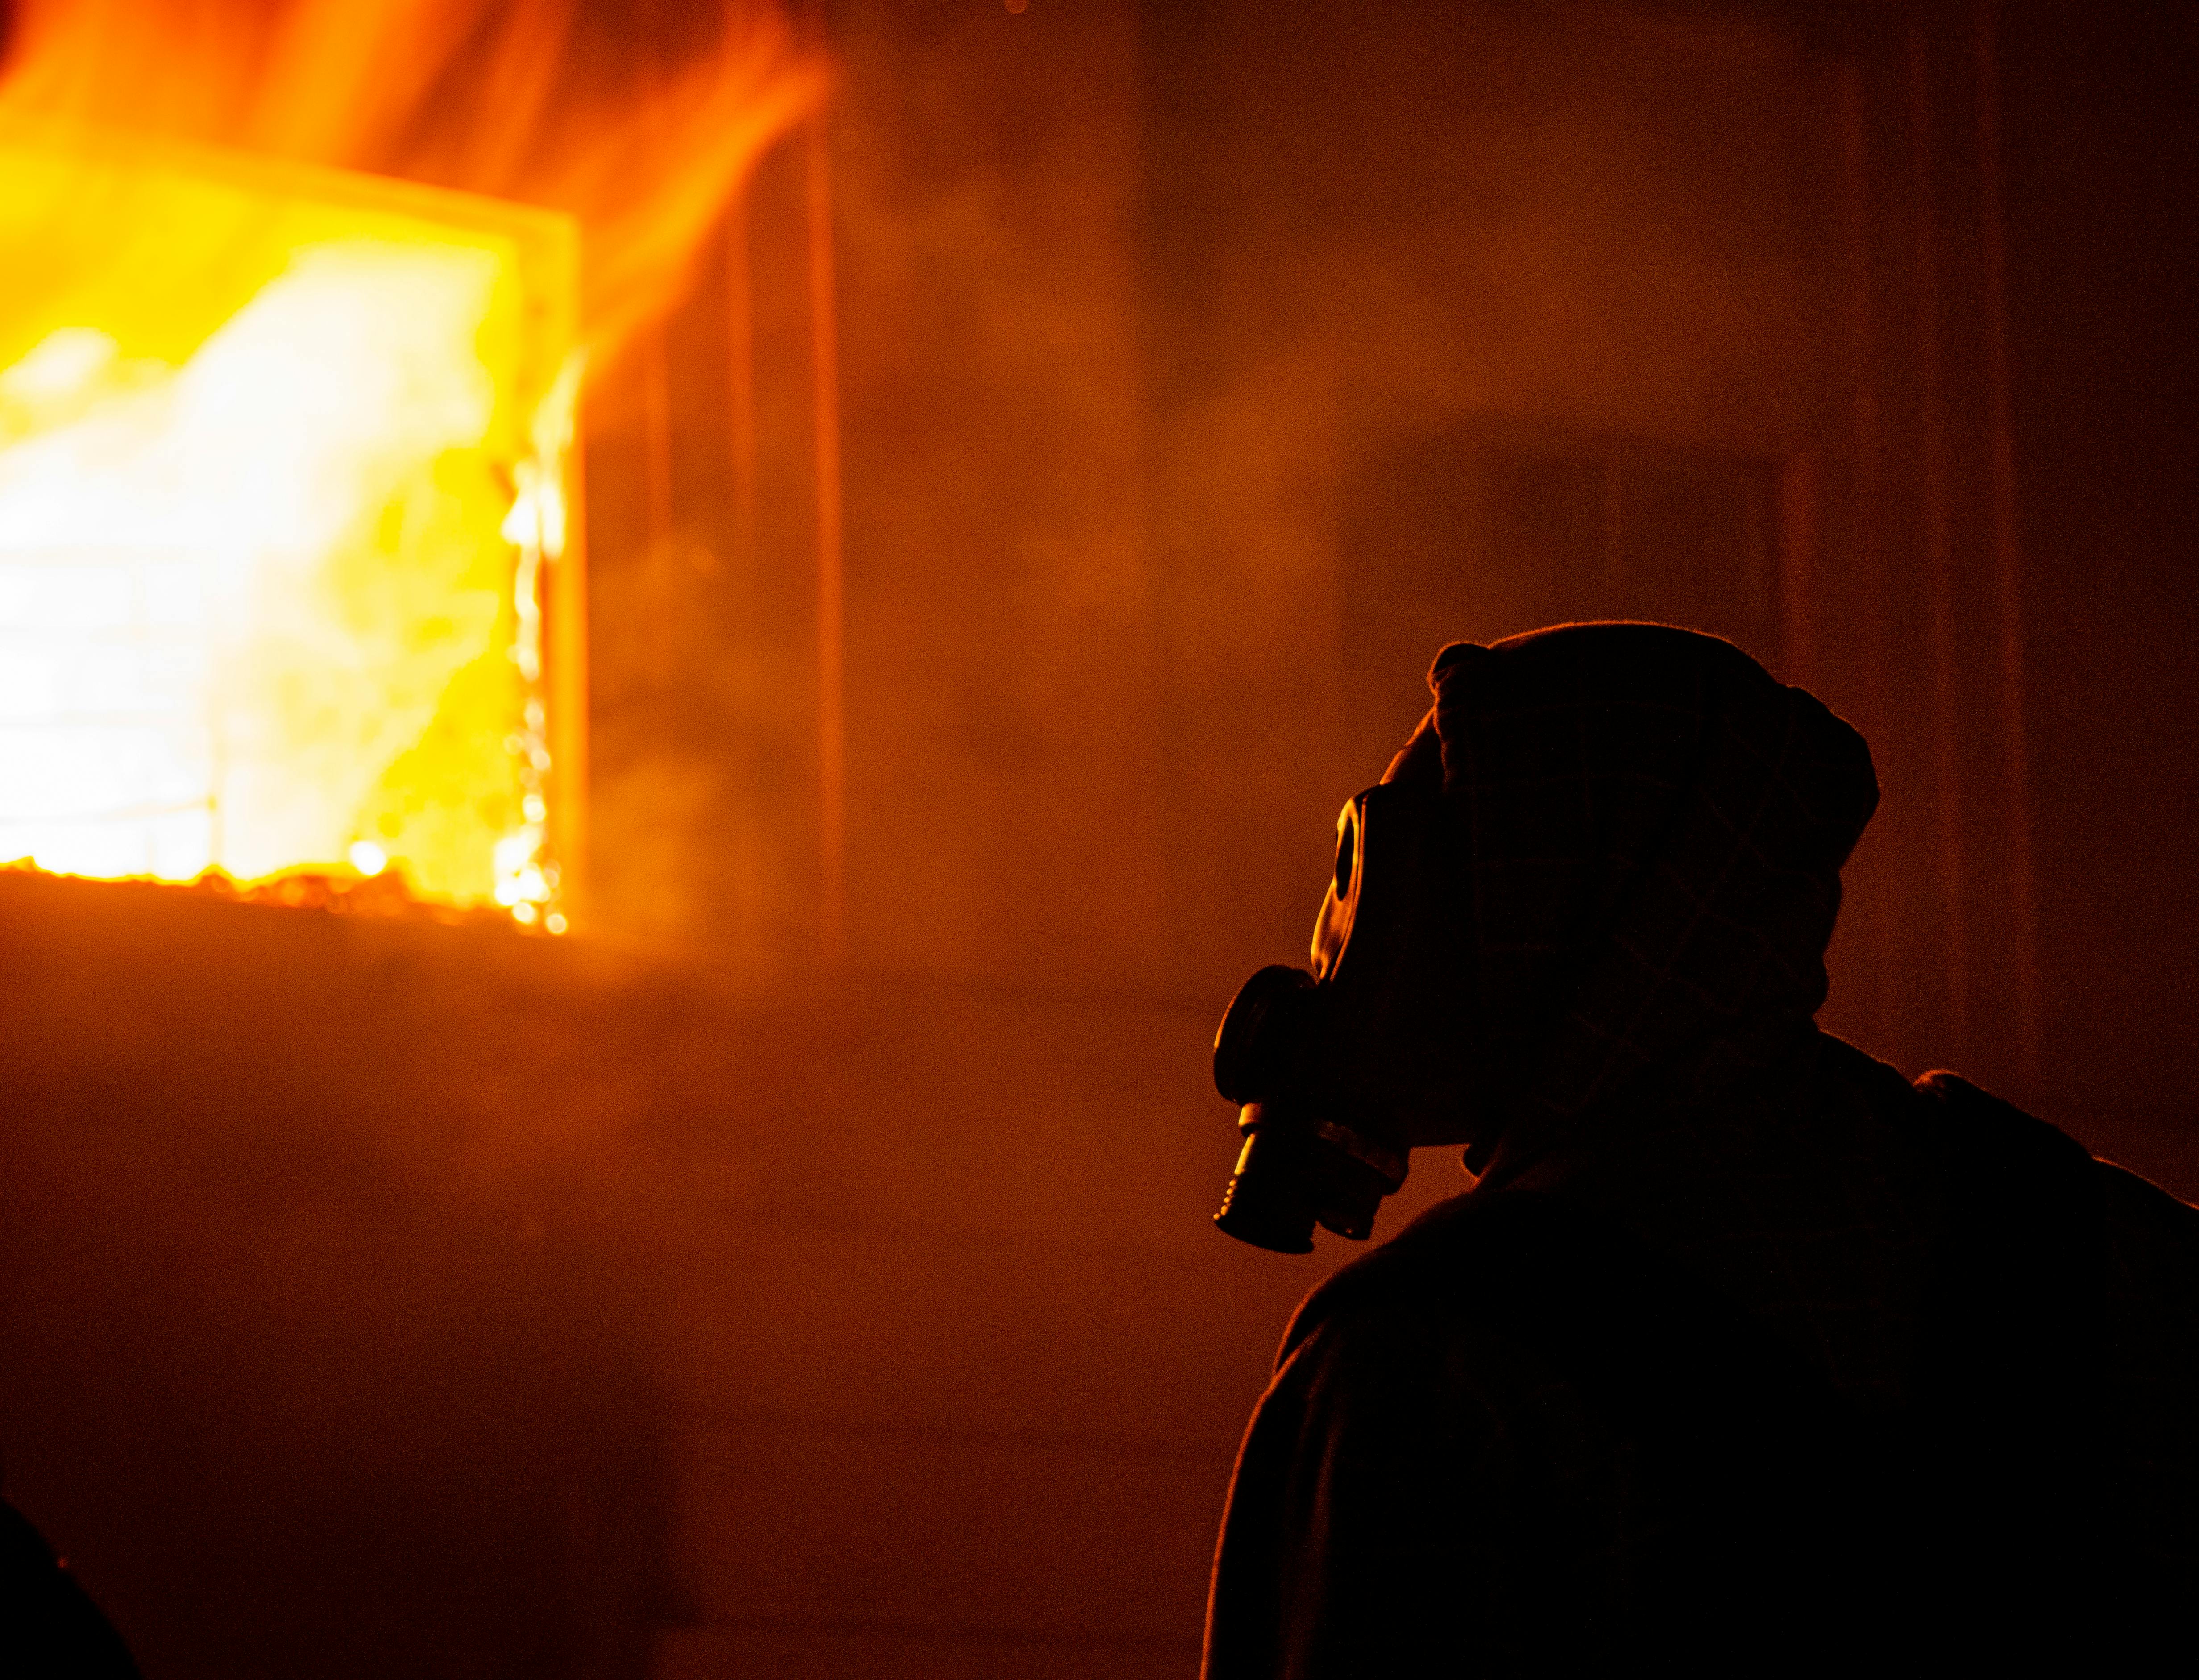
[1744,1354]
[50,1628]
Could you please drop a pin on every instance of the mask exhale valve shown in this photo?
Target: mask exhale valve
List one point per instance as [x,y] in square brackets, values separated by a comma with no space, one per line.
[1296,1169]
[1269,1200]
[1320,1064]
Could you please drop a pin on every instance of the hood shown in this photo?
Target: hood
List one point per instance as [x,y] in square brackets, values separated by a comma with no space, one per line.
[1651,830]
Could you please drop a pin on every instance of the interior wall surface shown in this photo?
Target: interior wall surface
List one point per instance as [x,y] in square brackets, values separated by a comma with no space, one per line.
[1175,351]
[1375,238]
[1006,819]
[2103,248]
[701,463]
[386,1298]
[1893,262]
[979,178]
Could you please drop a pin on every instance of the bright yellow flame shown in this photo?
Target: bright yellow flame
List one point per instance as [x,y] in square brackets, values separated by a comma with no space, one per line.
[273,523]
[284,457]
[639,121]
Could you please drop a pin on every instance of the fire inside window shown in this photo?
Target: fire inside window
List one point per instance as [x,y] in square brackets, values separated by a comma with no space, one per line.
[284,460]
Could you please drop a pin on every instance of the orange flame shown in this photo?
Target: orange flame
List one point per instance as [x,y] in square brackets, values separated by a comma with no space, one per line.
[640,121]
[283,453]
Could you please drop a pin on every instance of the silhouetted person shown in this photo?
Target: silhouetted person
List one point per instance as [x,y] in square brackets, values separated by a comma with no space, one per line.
[50,1628]
[1743,1354]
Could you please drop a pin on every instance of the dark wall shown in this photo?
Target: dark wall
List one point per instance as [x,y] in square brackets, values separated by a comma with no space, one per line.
[386,1298]
[1200,377]
[1380,244]
[2103,241]
[1429,294]
[1006,819]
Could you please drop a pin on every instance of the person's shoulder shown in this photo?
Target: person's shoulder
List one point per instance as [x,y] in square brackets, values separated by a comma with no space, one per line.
[2150,1363]
[2135,1211]
[2150,1234]
[1979,1120]
[1398,1278]
[1422,1336]
[1444,1273]
[1841,1066]
[2136,1201]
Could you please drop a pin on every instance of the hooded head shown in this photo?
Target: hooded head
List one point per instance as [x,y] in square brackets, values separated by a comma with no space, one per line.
[1648,833]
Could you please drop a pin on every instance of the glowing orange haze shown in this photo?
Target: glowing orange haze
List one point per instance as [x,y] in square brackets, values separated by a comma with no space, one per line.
[285,453]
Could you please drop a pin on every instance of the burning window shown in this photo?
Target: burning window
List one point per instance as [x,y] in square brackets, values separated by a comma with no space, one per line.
[283,504]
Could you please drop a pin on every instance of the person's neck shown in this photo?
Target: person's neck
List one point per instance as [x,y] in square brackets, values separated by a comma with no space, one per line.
[1657,1126]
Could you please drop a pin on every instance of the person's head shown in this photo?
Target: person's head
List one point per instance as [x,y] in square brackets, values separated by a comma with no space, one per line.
[1604,869]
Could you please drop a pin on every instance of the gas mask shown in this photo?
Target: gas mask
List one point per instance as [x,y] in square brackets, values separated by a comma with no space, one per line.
[1339,1073]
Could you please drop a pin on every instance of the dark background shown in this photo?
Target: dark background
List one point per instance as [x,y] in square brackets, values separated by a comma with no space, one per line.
[2101,259]
[379,1296]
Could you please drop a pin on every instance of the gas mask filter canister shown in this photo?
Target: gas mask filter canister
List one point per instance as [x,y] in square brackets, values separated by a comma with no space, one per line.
[1321,1064]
